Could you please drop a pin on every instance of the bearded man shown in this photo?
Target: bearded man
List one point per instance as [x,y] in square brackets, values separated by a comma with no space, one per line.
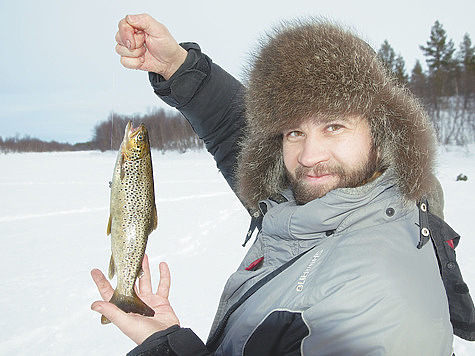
[334,161]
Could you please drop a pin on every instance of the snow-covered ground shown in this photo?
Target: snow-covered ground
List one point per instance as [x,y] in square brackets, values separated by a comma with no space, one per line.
[53,218]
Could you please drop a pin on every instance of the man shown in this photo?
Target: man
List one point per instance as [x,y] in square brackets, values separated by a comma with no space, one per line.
[330,162]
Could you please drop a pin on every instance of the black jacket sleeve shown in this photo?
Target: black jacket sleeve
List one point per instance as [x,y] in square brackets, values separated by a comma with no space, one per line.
[461,307]
[174,341]
[212,102]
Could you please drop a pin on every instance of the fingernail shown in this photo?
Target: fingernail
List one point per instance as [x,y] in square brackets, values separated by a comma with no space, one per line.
[128,44]
[132,18]
[96,307]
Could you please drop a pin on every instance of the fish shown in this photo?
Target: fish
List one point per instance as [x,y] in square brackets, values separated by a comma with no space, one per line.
[133,216]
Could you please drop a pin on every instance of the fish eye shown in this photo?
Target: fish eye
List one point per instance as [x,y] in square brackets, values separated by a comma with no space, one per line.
[140,137]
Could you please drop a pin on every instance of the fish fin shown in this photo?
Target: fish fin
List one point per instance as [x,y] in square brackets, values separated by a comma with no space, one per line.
[154,218]
[109,225]
[129,304]
[111,267]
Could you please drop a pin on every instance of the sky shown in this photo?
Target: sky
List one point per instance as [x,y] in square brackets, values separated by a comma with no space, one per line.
[60,75]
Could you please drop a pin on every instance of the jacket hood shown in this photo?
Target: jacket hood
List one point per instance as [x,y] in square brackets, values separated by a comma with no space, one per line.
[315,68]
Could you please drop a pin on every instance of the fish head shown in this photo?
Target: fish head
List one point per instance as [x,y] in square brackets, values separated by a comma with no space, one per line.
[136,144]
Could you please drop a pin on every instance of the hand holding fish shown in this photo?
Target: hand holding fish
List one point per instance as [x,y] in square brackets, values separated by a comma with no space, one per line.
[145,44]
[136,326]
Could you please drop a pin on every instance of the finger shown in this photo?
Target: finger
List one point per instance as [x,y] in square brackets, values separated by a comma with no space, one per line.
[165,281]
[137,327]
[139,38]
[111,312]
[145,282]
[125,52]
[146,23]
[126,34]
[118,39]
[103,285]
[132,63]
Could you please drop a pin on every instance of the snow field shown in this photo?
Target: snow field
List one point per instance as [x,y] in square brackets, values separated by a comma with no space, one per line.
[53,219]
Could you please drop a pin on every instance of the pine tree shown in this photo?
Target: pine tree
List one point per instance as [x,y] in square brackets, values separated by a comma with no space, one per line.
[466,85]
[439,58]
[395,65]
[466,59]
[400,70]
[442,81]
[387,55]
[418,81]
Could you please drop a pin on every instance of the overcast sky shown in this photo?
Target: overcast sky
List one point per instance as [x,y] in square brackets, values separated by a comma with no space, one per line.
[60,76]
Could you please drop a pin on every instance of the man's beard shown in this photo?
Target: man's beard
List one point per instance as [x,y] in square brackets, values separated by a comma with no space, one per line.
[347,178]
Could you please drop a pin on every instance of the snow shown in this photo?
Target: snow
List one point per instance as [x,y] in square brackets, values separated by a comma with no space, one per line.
[53,218]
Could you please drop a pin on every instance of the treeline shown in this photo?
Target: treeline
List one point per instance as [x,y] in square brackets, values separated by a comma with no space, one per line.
[31,144]
[167,131]
[446,88]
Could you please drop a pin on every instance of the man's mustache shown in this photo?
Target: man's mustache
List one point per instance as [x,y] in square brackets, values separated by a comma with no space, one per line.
[318,170]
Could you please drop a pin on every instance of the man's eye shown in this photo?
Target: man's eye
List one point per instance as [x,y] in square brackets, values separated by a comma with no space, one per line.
[294,134]
[334,127]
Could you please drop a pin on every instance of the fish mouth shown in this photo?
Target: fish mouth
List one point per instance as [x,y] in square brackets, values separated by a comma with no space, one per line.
[135,144]
[131,132]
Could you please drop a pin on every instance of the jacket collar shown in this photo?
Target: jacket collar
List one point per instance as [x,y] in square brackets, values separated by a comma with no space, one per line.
[338,210]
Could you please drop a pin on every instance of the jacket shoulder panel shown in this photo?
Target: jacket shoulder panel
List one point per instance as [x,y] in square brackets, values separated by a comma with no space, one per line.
[283,332]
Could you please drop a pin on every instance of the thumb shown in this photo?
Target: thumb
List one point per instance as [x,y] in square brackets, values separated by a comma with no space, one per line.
[125,322]
[145,23]
[110,311]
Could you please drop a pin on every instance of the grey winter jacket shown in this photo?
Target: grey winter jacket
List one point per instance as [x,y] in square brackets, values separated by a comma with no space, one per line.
[355,292]
[340,275]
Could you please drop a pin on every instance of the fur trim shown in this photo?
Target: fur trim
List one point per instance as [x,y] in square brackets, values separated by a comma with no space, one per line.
[308,68]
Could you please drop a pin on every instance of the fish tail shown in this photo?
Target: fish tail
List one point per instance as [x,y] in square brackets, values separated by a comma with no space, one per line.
[129,304]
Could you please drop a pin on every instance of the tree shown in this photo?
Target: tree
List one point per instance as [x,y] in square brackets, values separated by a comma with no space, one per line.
[166,131]
[400,70]
[418,81]
[439,58]
[387,55]
[466,85]
[466,59]
[442,80]
[394,64]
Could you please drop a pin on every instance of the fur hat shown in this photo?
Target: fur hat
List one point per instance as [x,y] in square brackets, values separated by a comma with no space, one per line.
[316,68]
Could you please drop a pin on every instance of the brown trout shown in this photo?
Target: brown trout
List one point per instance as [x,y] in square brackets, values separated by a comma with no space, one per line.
[133,216]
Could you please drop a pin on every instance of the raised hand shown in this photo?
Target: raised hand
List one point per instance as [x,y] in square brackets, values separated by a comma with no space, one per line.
[145,44]
[135,326]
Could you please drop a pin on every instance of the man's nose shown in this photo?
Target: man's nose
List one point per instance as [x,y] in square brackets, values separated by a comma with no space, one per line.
[313,151]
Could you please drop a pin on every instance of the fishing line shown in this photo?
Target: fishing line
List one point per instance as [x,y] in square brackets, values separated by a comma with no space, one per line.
[112,114]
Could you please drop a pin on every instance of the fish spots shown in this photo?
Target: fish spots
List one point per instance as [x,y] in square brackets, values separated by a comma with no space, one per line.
[136,192]
[132,208]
